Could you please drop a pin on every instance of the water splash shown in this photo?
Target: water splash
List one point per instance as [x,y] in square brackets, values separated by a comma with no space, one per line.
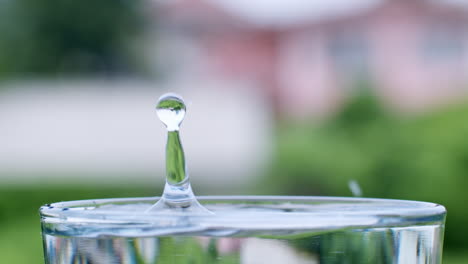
[171,111]
[178,194]
[355,188]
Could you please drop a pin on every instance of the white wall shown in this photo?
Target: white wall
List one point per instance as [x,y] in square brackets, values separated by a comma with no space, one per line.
[97,129]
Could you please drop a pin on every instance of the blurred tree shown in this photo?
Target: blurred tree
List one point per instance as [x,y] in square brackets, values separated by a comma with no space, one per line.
[68,37]
[420,157]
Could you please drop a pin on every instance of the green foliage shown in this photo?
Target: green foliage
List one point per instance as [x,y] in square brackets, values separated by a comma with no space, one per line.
[67,37]
[172,104]
[422,157]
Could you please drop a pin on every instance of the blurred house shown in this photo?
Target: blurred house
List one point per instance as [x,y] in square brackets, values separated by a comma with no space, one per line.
[306,56]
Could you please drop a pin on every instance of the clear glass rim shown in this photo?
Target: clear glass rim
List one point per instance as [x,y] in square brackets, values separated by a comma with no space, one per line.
[403,207]
[258,213]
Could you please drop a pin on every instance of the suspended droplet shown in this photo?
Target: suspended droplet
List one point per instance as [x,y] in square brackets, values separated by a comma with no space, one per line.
[171,111]
[177,191]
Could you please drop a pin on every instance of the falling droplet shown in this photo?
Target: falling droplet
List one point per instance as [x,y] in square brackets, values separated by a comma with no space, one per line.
[355,188]
[177,193]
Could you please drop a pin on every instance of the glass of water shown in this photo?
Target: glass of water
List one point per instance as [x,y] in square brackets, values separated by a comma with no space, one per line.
[245,229]
[178,228]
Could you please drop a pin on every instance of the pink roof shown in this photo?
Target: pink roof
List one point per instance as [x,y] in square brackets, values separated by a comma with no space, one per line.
[276,13]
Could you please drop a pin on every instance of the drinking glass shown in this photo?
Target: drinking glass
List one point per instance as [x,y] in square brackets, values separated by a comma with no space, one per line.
[245,229]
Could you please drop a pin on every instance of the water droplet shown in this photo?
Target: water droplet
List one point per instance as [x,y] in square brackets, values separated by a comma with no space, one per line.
[171,111]
[177,193]
[355,188]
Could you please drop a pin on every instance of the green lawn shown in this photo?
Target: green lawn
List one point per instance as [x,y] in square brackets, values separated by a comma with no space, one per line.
[455,257]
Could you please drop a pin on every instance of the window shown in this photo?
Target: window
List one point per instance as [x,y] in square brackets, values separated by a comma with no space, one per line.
[443,43]
[349,52]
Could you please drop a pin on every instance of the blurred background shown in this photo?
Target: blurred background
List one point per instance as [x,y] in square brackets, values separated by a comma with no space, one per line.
[289,97]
